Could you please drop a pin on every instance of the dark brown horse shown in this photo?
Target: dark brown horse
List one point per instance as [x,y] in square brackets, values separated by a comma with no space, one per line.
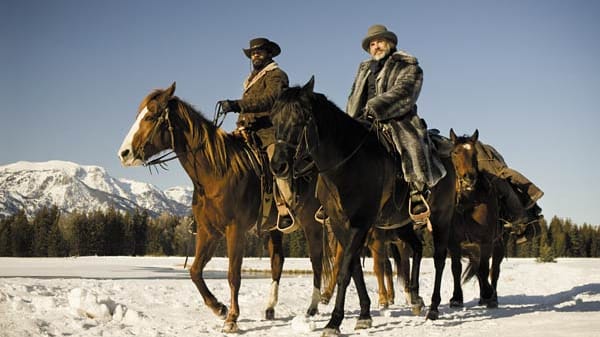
[477,231]
[359,186]
[227,193]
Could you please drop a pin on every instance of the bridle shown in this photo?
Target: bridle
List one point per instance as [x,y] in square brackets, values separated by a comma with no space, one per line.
[304,150]
[164,117]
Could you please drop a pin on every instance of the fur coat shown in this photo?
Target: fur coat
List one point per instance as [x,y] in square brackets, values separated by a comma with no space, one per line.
[398,85]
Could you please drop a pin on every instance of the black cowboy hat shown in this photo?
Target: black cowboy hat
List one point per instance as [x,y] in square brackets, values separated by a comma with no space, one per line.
[378,31]
[263,43]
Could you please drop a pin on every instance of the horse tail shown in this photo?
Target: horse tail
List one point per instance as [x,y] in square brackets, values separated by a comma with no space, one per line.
[473,253]
[329,247]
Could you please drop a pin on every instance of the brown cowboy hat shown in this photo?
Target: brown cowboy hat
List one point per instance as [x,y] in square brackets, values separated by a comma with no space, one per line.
[263,43]
[378,31]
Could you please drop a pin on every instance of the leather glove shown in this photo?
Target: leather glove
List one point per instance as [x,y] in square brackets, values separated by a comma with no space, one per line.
[229,106]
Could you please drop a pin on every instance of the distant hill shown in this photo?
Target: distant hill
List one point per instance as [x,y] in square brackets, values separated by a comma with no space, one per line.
[74,187]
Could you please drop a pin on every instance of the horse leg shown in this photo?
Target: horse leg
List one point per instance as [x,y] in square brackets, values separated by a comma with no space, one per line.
[206,245]
[439,259]
[401,255]
[380,268]
[486,291]
[416,301]
[364,319]
[314,238]
[235,252]
[497,257]
[350,258]
[328,292]
[275,247]
[457,300]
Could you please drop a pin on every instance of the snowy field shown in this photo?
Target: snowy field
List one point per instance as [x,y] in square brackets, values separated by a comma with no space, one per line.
[153,296]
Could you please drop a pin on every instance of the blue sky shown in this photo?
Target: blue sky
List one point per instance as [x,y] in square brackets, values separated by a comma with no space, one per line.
[525,73]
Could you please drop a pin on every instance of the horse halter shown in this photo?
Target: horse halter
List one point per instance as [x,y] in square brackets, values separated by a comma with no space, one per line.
[164,116]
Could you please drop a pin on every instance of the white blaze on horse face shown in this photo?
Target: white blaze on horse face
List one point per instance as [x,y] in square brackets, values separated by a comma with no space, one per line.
[126,151]
[467,147]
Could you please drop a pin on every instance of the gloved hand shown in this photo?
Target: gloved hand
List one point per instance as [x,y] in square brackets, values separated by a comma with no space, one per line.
[229,106]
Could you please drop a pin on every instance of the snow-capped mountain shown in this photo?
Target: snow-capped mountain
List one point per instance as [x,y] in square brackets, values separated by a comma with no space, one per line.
[70,186]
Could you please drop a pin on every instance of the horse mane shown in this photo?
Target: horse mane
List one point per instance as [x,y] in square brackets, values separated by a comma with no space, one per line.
[224,152]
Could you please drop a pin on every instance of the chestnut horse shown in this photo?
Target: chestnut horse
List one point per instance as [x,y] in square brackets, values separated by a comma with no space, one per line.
[227,194]
[358,187]
[477,230]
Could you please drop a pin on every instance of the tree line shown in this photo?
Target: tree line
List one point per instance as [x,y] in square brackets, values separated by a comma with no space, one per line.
[52,233]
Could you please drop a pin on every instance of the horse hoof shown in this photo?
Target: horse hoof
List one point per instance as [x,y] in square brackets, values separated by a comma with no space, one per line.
[417,306]
[325,298]
[330,332]
[230,327]
[433,315]
[456,304]
[221,311]
[492,304]
[363,323]
[270,314]
[312,311]
[417,309]
[383,305]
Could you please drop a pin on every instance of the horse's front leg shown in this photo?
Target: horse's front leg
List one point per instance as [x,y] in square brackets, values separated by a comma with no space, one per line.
[457,300]
[314,237]
[440,241]
[486,291]
[205,248]
[416,301]
[275,247]
[235,252]
[351,257]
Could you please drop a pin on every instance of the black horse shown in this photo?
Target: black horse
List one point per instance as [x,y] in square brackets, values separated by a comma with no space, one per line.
[477,231]
[358,186]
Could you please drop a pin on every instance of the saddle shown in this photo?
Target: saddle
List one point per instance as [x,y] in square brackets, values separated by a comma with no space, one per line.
[260,161]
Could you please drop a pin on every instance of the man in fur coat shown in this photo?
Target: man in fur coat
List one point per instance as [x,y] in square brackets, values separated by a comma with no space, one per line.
[385,91]
[261,88]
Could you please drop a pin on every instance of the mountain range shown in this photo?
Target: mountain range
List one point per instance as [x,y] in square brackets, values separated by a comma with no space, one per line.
[73,187]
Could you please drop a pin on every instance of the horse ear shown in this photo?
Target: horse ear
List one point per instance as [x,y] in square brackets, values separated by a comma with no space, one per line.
[452,135]
[310,85]
[475,136]
[171,90]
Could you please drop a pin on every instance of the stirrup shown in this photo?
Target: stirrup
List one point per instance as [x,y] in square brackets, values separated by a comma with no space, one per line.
[323,218]
[291,228]
[423,217]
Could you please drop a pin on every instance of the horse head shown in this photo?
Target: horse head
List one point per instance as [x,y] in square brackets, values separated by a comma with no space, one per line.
[291,116]
[464,160]
[152,131]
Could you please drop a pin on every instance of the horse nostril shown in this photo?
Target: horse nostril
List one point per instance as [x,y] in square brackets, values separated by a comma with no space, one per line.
[124,153]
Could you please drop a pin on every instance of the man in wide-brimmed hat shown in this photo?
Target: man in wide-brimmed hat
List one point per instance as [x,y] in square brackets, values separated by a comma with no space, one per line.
[262,87]
[385,90]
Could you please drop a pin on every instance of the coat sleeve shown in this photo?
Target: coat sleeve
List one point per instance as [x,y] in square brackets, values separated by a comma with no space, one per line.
[273,83]
[400,97]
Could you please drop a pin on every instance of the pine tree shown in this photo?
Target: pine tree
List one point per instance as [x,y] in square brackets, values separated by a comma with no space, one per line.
[6,243]
[21,235]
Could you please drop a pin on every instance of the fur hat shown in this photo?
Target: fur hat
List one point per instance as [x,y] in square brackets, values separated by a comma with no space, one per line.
[263,43]
[378,31]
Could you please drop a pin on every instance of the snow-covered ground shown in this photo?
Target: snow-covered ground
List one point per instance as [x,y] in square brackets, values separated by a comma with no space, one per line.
[153,296]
